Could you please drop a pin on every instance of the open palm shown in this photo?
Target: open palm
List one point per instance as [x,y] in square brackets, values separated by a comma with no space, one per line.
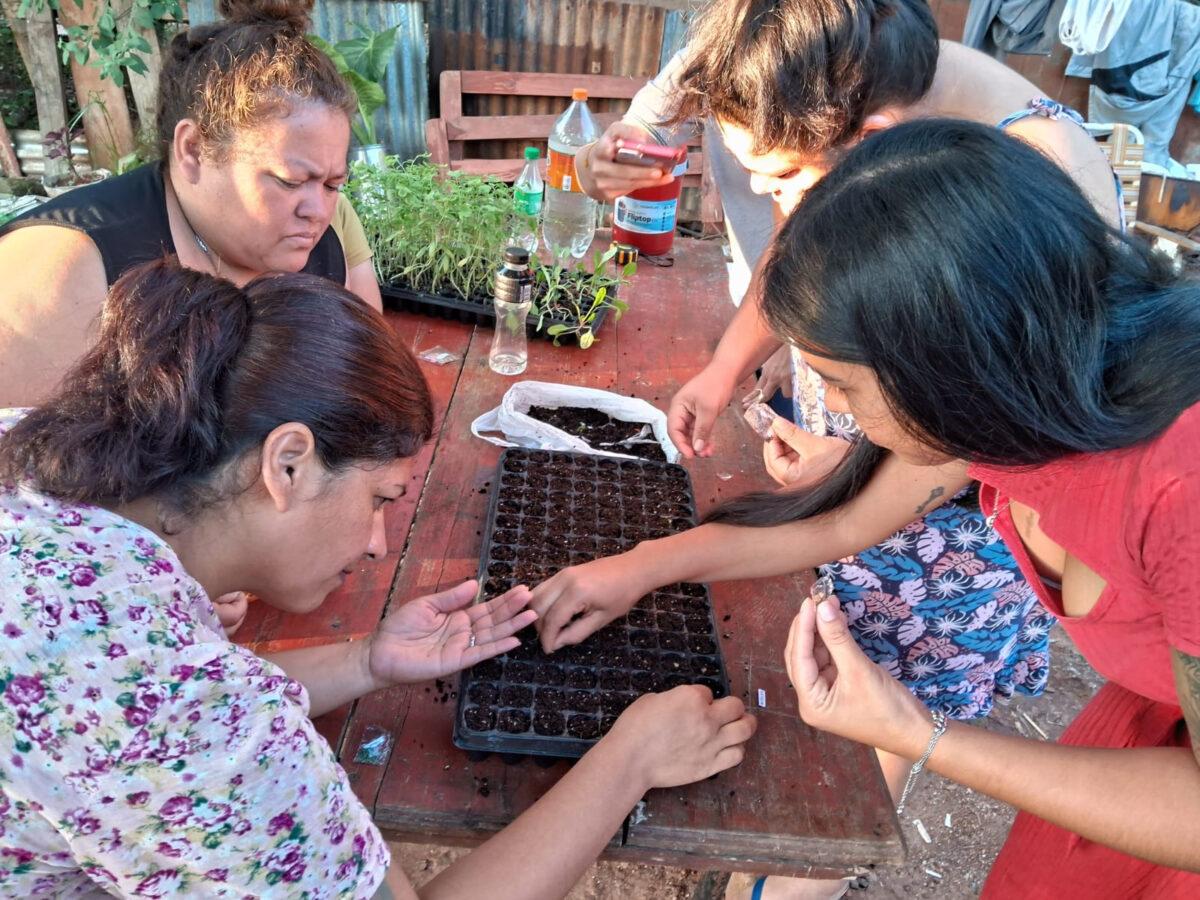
[430,636]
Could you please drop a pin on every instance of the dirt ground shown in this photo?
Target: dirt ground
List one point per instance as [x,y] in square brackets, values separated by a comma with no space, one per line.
[964,829]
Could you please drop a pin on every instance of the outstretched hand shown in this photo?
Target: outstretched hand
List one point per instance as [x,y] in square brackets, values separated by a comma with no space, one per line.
[576,602]
[431,636]
[841,690]
[694,409]
[683,735]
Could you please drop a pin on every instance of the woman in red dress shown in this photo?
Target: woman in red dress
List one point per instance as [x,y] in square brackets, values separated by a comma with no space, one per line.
[959,316]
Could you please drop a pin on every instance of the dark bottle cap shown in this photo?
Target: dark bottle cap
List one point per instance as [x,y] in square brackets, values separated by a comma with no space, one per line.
[626,253]
[517,256]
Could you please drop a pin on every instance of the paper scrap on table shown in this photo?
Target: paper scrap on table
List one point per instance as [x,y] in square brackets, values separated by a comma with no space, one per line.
[762,697]
[439,356]
[375,748]
[922,832]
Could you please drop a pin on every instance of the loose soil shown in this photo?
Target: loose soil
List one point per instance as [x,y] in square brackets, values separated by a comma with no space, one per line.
[600,430]
[965,829]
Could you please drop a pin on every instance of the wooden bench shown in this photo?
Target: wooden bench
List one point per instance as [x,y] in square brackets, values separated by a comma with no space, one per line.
[450,136]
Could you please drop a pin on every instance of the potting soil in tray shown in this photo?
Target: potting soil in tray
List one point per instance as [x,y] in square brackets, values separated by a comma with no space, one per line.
[550,510]
[600,430]
[472,310]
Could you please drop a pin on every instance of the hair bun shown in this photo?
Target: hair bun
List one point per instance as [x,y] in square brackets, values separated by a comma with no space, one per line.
[289,13]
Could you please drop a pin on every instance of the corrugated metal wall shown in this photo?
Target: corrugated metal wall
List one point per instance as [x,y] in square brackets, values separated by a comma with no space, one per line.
[591,37]
[601,37]
[402,120]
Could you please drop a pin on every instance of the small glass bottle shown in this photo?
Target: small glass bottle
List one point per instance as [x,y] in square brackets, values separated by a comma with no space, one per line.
[513,298]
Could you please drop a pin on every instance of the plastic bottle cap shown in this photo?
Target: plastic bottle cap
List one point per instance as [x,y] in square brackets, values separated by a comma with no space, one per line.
[626,253]
[532,153]
[518,256]
[579,94]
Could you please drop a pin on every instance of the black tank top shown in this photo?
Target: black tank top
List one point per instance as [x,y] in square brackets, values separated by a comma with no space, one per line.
[126,218]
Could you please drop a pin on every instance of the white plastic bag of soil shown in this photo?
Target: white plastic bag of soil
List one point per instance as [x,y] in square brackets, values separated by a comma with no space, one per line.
[511,418]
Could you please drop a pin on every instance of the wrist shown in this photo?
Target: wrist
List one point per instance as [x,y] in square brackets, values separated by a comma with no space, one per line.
[652,564]
[940,724]
[918,731]
[370,677]
[619,752]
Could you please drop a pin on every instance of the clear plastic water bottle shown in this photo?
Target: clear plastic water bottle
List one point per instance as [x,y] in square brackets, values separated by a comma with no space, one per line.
[569,215]
[514,297]
[527,200]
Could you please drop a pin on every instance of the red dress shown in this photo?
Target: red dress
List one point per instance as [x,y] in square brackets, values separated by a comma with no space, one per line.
[1133,518]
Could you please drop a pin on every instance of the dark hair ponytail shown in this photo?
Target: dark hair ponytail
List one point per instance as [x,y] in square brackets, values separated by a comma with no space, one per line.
[191,373]
[762,509]
[1005,322]
[803,75]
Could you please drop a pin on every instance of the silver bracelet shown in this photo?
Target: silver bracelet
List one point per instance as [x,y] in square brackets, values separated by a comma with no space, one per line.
[939,728]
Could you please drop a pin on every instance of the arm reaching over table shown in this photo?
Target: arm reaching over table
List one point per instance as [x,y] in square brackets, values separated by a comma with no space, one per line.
[580,600]
[661,740]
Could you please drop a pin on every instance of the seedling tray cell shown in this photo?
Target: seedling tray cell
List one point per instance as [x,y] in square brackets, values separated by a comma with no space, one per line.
[549,510]
[471,310]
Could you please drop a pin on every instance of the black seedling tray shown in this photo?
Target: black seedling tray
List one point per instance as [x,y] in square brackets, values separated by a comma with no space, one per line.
[472,310]
[550,510]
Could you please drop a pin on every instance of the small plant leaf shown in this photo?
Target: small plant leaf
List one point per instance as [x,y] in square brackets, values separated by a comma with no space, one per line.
[586,339]
[370,94]
[370,54]
[329,50]
[556,329]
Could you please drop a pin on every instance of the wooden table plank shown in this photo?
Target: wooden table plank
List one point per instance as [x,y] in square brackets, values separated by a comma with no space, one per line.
[801,802]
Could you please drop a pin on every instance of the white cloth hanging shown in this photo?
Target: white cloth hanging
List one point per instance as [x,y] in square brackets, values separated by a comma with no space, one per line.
[1088,26]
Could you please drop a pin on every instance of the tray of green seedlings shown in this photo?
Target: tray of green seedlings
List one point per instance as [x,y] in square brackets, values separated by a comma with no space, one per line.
[437,235]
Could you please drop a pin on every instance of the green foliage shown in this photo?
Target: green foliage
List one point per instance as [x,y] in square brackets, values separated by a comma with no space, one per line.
[113,42]
[567,302]
[438,231]
[429,233]
[364,61]
[17,105]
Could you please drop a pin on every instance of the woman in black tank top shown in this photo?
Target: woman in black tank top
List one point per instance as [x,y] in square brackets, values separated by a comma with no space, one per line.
[248,183]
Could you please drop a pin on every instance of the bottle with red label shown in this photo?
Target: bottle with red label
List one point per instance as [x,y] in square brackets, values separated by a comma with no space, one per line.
[568,214]
[646,218]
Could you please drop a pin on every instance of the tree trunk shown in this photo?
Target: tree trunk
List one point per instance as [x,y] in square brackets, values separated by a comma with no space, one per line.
[39,49]
[144,87]
[106,115]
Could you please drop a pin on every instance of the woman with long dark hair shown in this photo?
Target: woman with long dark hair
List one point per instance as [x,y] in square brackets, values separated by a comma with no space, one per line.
[215,437]
[1062,362]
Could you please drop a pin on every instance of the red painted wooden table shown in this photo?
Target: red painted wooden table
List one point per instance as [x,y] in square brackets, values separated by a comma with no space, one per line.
[801,802]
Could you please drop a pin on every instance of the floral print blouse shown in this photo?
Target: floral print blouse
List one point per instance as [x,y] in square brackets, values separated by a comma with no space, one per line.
[141,753]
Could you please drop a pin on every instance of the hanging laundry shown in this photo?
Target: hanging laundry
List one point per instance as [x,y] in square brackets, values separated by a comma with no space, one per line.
[998,27]
[1088,26]
[1144,75]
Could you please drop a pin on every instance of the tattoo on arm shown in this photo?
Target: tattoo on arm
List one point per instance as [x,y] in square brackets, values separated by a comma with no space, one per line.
[1187,685]
[933,495]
